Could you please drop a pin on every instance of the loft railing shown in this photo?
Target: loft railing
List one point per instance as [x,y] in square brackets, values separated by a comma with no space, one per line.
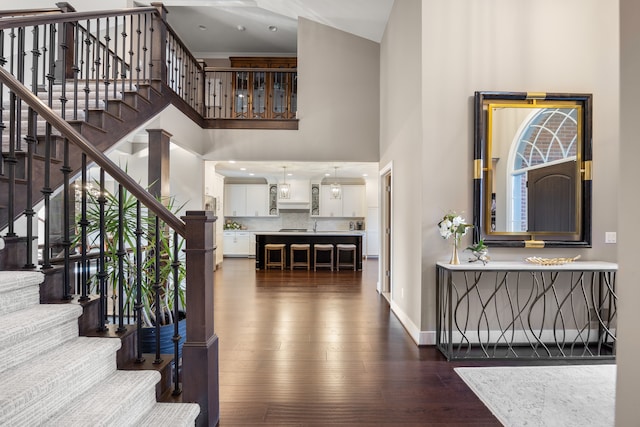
[250,93]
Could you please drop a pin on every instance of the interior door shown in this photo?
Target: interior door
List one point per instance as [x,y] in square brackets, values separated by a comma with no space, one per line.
[551,198]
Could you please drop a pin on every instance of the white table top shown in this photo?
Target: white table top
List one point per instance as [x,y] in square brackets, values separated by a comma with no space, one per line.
[527,266]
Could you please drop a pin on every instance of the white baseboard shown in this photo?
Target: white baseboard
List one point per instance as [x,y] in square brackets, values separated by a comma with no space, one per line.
[418,336]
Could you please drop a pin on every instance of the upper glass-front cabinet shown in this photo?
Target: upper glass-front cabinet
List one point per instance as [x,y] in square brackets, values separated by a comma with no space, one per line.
[264,92]
[532,169]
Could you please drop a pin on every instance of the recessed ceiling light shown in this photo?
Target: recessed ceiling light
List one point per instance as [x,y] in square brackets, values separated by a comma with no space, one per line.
[273,28]
[232,161]
[241,27]
[243,169]
[202,27]
[327,174]
[365,174]
[251,174]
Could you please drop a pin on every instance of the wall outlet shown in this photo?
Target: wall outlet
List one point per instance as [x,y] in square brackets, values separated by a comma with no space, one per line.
[610,237]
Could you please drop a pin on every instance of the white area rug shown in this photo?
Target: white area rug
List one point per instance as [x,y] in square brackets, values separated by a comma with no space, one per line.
[563,396]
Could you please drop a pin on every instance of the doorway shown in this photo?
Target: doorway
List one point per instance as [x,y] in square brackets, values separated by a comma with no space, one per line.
[385,250]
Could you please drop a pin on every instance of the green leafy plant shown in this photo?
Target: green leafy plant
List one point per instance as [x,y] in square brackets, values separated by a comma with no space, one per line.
[478,247]
[129,216]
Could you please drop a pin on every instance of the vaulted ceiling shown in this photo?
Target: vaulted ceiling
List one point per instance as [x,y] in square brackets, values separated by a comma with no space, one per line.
[223,28]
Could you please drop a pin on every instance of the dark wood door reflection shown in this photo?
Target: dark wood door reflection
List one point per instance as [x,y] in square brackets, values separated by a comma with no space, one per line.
[299,348]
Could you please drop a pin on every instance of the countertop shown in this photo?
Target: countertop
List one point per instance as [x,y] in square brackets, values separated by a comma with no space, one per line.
[311,233]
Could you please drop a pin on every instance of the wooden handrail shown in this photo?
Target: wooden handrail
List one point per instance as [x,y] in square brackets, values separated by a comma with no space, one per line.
[21,21]
[28,12]
[95,154]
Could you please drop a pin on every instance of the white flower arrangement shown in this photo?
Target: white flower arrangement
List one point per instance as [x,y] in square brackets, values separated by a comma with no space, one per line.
[453,224]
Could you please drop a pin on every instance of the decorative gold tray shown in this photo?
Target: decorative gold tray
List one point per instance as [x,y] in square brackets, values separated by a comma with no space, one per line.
[550,261]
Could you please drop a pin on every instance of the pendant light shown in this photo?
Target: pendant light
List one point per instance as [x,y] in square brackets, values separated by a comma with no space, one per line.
[336,189]
[283,188]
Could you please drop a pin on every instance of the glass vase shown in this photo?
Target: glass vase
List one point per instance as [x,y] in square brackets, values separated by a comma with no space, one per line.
[454,254]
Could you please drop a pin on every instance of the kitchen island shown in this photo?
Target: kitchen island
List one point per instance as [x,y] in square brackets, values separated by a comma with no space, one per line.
[310,237]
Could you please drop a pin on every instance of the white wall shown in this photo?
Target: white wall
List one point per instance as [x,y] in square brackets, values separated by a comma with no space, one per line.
[628,380]
[400,142]
[338,112]
[484,45]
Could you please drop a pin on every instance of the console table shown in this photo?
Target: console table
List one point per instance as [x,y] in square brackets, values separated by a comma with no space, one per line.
[519,310]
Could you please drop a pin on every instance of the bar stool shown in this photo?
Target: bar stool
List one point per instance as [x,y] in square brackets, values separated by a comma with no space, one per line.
[322,247]
[274,247]
[300,247]
[345,247]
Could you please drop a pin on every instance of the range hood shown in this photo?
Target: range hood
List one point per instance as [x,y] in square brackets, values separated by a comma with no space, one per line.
[293,205]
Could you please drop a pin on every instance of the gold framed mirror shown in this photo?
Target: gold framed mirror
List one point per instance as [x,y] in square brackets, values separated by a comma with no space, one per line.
[532,169]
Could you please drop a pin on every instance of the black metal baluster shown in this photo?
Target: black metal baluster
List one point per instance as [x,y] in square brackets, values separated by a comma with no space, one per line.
[97,63]
[157,286]
[11,159]
[66,172]
[144,48]
[87,65]
[116,60]
[170,70]
[123,69]
[121,253]
[46,189]
[131,53]
[84,223]
[138,306]
[102,261]
[30,139]
[176,303]
[45,51]
[151,31]
[64,46]
[107,66]
[138,33]
[76,67]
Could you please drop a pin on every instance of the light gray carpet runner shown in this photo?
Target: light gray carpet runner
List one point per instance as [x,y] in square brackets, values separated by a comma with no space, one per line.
[51,376]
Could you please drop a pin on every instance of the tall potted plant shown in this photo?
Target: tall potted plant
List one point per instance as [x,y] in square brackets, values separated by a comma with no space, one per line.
[151,240]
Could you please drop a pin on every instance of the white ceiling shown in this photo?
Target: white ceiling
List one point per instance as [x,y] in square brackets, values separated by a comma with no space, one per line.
[273,171]
[220,19]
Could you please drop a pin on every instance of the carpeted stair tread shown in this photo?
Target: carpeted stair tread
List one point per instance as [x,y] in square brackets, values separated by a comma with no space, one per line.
[19,290]
[131,392]
[21,338]
[38,388]
[11,280]
[170,414]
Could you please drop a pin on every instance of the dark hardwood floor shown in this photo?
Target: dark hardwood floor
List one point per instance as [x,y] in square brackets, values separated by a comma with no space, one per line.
[323,349]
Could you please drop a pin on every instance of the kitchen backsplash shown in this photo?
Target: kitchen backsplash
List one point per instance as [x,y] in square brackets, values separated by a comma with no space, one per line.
[295,220]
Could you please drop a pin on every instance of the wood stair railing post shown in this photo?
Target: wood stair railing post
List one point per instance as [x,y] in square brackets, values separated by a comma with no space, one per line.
[158,41]
[200,351]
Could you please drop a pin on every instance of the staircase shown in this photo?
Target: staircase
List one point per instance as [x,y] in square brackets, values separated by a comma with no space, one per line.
[51,376]
[98,76]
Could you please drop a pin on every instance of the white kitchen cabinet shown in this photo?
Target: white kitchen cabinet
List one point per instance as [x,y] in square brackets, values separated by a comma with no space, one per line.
[353,201]
[329,206]
[373,231]
[350,205]
[239,243]
[257,200]
[242,200]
